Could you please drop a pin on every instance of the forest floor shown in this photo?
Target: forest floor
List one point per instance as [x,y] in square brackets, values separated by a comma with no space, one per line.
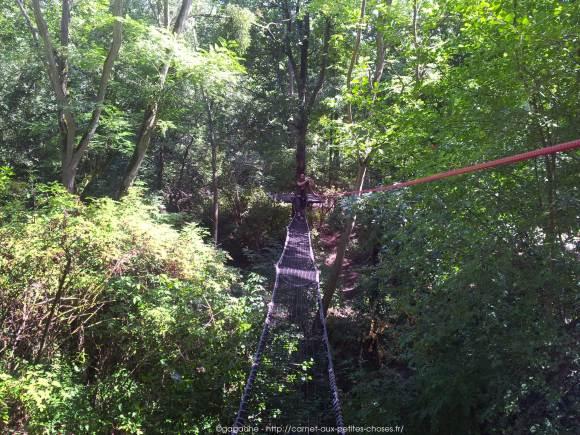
[329,239]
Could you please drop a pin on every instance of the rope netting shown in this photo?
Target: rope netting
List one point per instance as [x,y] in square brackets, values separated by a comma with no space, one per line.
[291,380]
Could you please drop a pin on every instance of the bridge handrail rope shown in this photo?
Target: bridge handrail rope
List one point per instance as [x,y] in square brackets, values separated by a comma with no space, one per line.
[256,360]
[330,366]
[566,146]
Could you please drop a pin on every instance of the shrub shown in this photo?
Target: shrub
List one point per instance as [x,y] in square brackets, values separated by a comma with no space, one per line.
[113,320]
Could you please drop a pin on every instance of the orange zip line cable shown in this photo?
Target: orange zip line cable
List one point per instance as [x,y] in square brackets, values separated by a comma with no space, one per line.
[566,146]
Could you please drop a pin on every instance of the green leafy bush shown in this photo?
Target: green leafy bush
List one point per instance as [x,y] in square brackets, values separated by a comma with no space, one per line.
[475,302]
[115,321]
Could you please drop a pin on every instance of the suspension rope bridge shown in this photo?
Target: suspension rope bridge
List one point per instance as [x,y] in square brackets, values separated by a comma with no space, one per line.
[295,313]
[293,349]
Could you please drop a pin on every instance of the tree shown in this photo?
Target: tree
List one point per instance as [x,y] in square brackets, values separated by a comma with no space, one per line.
[152,110]
[298,32]
[214,166]
[363,153]
[57,67]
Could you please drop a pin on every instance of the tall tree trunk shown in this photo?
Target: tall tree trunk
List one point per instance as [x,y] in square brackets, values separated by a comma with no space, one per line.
[291,79]
[56,62]
[151,112]
[143,141]
[330,168]
[179,182]
[301,130]
[214,167]
[354,57]
[416,40]
[550,171]
[551,227]
[214,187]
[160,165]
[336,268]
[298,24]
[166,14]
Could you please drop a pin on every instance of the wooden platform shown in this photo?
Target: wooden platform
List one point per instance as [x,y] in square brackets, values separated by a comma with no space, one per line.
[289,198]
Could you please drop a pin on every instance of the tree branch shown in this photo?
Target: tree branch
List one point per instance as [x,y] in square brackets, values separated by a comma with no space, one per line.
[105,77]
[355,50]
[56,68]
[354,57]
[323,65]
[291,60]
[55,302]
[49,52]
[28,22]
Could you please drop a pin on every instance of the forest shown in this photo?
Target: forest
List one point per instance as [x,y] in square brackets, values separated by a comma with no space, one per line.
[144,149]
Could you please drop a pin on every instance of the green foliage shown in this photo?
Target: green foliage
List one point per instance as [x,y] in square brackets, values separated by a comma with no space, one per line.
[119,317]
[258,231]
[5,174]
[479,301]
[142,316]
[466,286]
[240,22]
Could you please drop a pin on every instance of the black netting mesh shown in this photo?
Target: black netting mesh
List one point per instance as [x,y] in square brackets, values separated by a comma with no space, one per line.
[292,378]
